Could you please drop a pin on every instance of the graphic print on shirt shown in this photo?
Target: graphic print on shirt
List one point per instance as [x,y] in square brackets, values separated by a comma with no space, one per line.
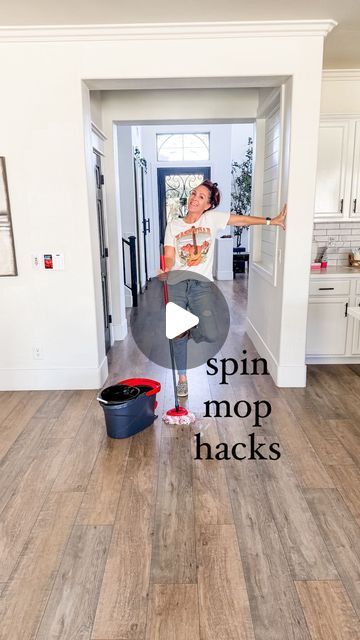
[193,245]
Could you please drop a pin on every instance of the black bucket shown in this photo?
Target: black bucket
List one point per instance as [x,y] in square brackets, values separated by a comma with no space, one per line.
[129,406]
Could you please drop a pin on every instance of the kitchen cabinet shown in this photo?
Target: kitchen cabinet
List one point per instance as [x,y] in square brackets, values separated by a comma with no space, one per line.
[327,326]
[355,187]
[332,287]
[332,335]
[338,170]
[356,331]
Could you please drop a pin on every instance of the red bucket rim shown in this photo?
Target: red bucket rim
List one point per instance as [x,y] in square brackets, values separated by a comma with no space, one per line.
[134,382]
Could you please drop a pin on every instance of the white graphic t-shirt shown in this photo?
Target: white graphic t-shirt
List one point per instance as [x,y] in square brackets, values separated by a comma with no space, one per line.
[194,243]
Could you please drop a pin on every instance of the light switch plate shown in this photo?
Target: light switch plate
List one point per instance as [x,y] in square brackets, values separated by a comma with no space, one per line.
[37,261]
[58,260]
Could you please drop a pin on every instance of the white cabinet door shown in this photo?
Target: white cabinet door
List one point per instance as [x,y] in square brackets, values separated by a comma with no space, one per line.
[355,187]
[327,327]
[334,168]
[356,332]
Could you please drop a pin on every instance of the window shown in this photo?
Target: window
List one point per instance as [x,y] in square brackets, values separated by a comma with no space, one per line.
[172,147]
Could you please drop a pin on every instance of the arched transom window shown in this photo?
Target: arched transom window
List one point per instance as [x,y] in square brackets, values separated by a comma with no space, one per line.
[174,147]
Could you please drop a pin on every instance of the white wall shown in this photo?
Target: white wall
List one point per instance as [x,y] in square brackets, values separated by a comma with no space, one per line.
[265,285]
[179,105]
[95,108]
[127,200]
[46,139]
[282,336]
[43,142]
[125,157]
[269,140]
[340,92]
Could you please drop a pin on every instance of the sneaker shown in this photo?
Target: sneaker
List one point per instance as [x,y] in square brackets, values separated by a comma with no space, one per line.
[182,389]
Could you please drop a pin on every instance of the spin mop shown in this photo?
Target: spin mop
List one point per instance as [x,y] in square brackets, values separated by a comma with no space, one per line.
[177,415]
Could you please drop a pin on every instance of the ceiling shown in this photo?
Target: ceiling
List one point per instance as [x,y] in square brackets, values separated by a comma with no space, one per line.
[342,45]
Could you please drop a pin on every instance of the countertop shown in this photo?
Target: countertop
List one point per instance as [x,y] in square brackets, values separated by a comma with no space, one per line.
[336,272]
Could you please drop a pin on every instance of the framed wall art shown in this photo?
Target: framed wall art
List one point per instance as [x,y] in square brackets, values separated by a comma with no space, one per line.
[7,248]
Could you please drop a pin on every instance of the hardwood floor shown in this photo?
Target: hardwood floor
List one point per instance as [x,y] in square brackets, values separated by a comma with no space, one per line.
[134,539]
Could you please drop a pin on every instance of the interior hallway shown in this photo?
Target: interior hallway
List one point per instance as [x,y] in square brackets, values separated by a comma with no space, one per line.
[133,539]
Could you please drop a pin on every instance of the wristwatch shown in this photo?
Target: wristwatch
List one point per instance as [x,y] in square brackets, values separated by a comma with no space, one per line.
[268,220]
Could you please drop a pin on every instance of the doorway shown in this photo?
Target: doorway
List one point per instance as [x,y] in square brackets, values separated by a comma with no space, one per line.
[104,252]
[164,183]
[153,187]
[257,243]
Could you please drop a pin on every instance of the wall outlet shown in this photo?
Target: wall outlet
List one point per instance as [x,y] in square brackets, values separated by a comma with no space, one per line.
[38,353]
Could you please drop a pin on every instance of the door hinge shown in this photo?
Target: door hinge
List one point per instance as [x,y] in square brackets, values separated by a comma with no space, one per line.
[102,179]
[110,319]
[106,252]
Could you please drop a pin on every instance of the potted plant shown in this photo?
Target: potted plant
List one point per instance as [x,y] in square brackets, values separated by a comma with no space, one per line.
[241,174]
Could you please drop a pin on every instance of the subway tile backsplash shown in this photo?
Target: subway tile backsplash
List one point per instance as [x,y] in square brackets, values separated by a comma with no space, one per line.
[345,237]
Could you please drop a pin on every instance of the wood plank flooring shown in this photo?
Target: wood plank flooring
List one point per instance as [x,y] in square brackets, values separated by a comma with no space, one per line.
[135,539]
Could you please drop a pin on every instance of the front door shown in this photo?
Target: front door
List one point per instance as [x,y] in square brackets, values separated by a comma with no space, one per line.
[104,254]
[174,186]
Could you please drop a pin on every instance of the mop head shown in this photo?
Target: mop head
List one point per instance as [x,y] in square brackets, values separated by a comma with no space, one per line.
[179,416]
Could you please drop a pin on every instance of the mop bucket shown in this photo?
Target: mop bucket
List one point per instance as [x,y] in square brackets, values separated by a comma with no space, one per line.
[129,406]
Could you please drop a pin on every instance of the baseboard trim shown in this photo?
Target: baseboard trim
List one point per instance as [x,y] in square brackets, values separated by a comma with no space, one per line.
[283,375]
[51,379]
[262,348]
[291,376]
[333,360]
[224,275]
[120,331]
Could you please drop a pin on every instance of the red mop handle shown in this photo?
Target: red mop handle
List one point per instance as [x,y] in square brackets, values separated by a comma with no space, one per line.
[163,267]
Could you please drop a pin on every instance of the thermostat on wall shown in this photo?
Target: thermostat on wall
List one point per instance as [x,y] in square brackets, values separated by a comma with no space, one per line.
[48,261]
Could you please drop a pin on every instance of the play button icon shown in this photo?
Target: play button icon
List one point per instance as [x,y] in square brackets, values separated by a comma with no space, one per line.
[178,320]
[206,314]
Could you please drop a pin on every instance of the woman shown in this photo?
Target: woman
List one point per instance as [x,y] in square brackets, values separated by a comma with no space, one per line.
[189,246]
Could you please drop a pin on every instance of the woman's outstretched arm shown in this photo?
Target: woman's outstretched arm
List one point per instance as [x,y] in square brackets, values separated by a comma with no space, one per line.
[244,221]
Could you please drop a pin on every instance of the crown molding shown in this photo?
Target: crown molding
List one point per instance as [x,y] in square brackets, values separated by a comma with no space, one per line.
[165,31]
[324,117]
[341,74]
